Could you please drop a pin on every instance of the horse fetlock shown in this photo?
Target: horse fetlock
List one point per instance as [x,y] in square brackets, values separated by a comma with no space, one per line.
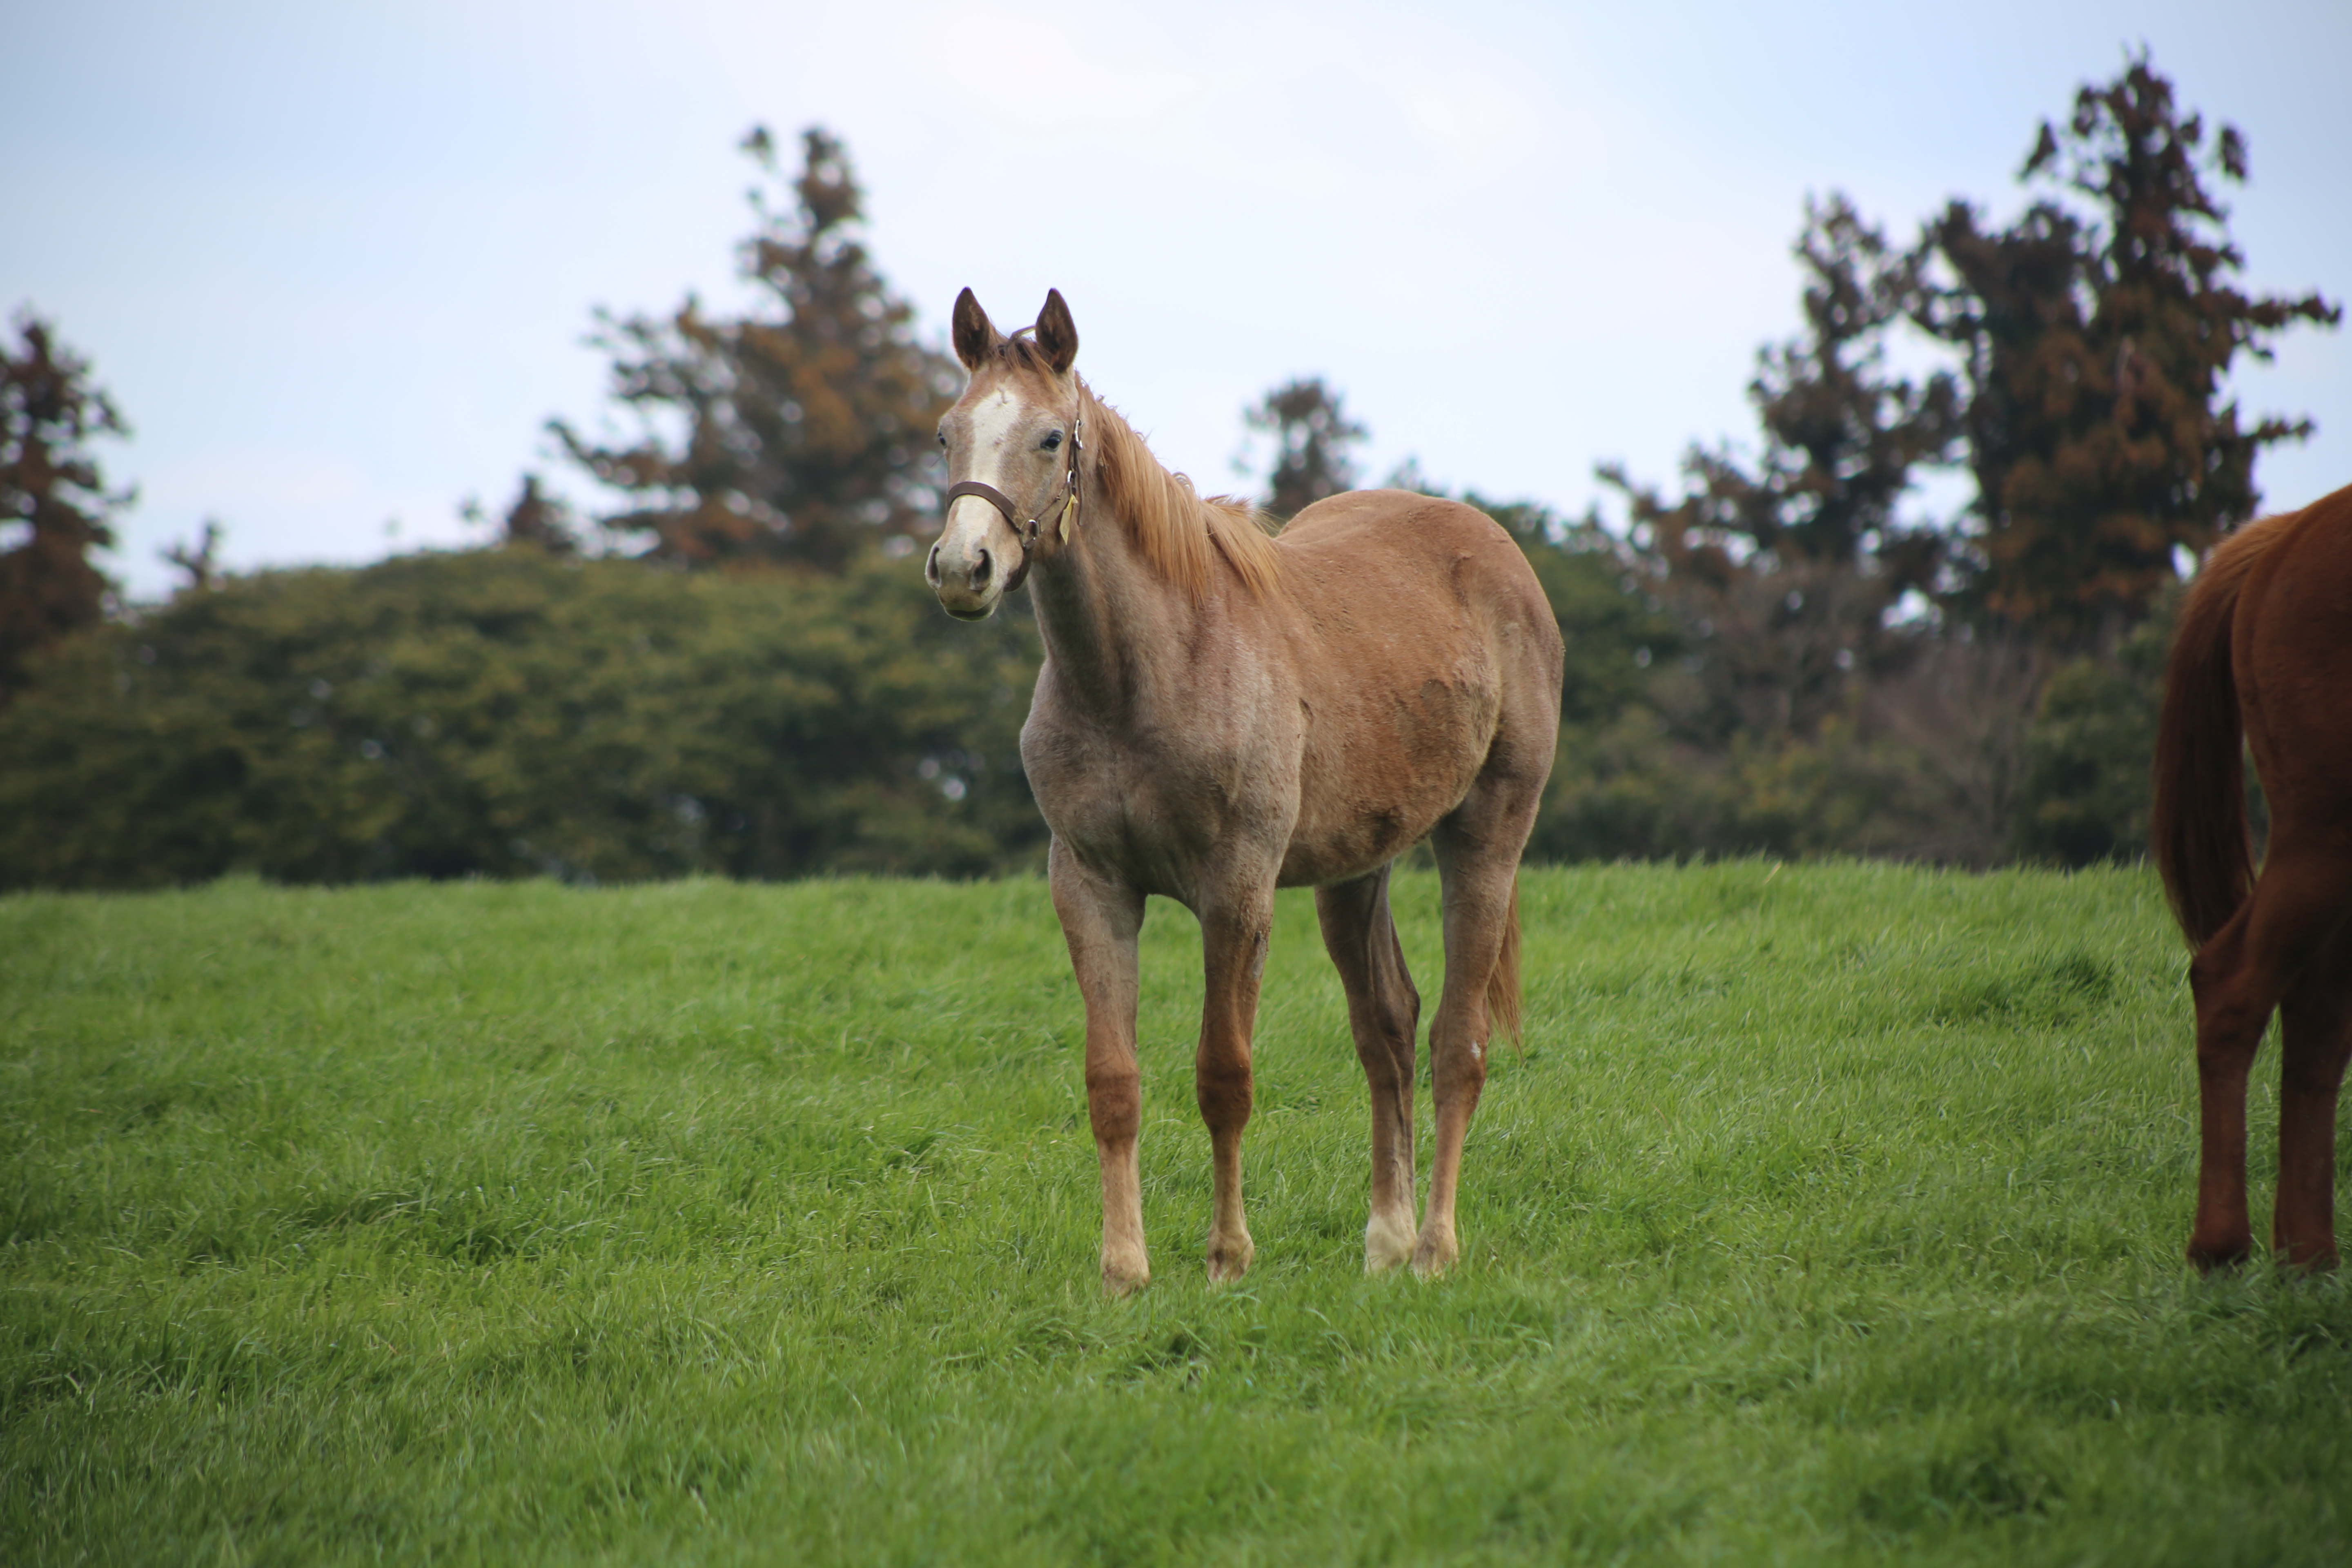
[2220,1251]
[1229,1256]
[2305,1254]
[1387,1241]
[1435,1252]
[1125,1269]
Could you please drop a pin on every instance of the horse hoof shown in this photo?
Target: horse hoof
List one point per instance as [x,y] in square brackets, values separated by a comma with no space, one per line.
[2306,1259]
[1125,1277]
[1229,1260]
[2206,1257]
[1434,1256]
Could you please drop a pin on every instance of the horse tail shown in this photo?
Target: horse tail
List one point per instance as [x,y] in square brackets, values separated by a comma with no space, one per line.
[2197,831]
[1503,982]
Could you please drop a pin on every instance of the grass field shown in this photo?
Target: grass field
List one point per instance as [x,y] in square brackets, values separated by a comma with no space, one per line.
[1831,1214]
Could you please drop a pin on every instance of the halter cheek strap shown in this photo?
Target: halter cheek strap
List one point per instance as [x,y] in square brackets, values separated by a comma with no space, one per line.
[1026,533]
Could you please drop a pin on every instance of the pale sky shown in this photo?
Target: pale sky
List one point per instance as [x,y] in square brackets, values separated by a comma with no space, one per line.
[335,263]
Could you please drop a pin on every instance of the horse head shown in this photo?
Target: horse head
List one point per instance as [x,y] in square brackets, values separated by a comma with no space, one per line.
[1012,442]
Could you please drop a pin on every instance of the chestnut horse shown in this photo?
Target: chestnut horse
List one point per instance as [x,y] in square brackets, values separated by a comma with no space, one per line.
[2265,645]
[1221,713]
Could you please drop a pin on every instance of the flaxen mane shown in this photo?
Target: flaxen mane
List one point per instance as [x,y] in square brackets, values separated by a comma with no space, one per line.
[1181,532]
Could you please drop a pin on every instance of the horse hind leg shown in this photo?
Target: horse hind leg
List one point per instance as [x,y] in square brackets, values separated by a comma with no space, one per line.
[2238,978]
[1478,858]
[2315,1027]
[1383,1014]
[1233,940]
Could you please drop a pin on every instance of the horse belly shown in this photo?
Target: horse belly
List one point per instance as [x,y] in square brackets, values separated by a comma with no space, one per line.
[1381,773]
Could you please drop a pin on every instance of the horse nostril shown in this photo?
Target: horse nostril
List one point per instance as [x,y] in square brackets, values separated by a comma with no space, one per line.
[931,567]
[980,572]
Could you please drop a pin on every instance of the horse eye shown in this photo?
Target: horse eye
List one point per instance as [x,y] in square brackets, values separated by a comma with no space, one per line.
[1052,439]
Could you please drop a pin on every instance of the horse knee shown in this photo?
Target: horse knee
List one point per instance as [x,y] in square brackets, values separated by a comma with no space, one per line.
[2316,1019]
[2309,1072]
[2228,1024]
[1115,1104]
[1223,1093]
[1387,1057]
[1457,1065]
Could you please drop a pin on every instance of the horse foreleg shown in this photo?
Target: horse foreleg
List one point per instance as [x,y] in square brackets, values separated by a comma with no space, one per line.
[1232,944]
[2316,1024]
[1100,921]
[1383,1014]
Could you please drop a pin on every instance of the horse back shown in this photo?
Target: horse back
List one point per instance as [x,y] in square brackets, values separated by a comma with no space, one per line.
[1385,567]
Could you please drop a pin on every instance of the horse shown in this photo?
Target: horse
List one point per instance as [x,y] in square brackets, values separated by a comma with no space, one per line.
[1222,713]
[2264,647]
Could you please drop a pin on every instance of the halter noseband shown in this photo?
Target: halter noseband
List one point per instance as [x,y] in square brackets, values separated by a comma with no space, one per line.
[1026,533]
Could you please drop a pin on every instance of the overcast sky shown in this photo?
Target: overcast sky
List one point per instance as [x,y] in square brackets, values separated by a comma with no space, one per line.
[336,263]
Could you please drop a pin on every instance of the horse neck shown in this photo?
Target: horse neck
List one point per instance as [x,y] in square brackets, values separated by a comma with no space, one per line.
[1114,629]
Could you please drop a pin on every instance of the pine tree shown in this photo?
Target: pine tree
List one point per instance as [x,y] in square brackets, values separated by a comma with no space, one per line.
[1785,569]
[199,562]
[1843,438]
[1312,435]
[52,495]
[2094,350]
[807,422]
[540,520]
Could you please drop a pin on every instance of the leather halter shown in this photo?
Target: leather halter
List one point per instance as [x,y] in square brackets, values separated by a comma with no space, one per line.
[1026,533]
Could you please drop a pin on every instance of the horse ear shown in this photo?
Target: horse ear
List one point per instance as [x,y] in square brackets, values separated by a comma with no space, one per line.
[975,336]
[1056,333]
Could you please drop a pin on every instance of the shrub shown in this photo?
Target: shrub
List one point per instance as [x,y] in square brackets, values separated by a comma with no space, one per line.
[506,713]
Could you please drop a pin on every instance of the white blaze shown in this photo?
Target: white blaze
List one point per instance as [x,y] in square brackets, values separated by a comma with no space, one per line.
[992,423]
[969,518]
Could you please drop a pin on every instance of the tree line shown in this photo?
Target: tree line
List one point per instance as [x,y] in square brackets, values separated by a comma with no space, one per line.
[731,669]
[1981,686]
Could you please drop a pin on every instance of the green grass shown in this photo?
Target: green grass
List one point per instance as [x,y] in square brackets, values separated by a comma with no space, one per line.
[1831,1214]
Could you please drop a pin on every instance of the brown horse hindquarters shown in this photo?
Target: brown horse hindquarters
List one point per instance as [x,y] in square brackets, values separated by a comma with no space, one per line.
[1429,663]
[1432,664]
[2294,655]
[2275,613]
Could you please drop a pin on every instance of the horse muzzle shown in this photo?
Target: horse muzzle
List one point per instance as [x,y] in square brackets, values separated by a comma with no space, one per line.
[977,561]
